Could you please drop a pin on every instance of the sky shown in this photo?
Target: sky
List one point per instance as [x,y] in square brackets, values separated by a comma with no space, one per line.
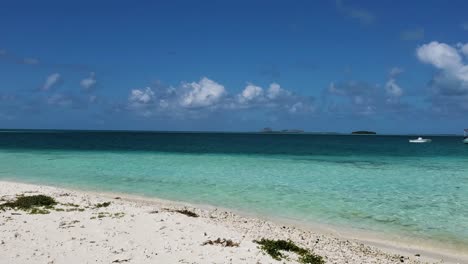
[326,66]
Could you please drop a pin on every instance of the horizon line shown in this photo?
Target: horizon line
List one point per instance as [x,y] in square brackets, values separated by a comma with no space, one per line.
[221,131]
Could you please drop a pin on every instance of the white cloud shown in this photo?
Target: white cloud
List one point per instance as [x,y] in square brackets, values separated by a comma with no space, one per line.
[274,98]
[463,48]
[251,92]
[176,101]
[196,99]
[445,58]
[51,81]
[449,85]
[141,96]
[440,55]
[275,91]
[204,93]
[89,83]
[164,103]
[393,89]
[300,107]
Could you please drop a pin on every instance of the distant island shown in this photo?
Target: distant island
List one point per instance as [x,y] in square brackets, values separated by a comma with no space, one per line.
[266,130]
[363,132]
[269,130]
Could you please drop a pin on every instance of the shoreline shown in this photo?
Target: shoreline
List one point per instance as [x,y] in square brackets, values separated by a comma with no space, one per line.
[393,241]
[380,248]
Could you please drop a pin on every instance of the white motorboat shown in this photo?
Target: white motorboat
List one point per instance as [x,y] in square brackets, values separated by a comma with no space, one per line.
[420,140]
[465,138]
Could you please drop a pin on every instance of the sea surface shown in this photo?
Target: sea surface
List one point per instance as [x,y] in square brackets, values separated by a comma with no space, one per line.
[380,184]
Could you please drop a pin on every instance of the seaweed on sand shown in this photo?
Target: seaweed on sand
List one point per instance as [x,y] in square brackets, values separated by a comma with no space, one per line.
[31,204]
[105,204]
[274,248]
[223,242]
[28,202]
[186,212]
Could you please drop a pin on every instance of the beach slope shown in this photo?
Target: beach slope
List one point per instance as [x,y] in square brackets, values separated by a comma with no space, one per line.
[103,228]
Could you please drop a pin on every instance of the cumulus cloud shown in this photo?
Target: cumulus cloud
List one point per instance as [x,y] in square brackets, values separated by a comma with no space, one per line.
[275,91]
[440,55]
[204,93]
[449,85]
[141,97]
[250,93]
[142,101]
[446,58]
[274,98]
[89,83]
[51,81]
[207,96]
[463,48]
[156,100]
[300,107]
[445,84]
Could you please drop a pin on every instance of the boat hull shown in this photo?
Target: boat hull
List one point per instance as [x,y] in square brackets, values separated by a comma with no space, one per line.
[465,141]
[419,141]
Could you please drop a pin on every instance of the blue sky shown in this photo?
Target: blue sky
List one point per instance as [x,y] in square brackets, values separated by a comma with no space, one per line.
[388,66]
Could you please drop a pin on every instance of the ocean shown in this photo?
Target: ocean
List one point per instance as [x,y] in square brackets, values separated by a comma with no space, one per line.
[379,184]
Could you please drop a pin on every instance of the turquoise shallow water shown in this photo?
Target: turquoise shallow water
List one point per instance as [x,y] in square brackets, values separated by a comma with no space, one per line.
[375,183]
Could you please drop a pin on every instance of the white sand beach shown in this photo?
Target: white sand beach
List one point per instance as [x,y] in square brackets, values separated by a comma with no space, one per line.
[137,230]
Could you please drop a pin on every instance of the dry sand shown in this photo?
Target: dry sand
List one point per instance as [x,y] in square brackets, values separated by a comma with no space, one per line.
[132,230]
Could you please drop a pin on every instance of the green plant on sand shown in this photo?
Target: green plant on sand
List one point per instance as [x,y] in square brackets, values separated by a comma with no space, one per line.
[28,202]
[223,242]
[187,213]
[105,204]
[36,210]
[31,203]
[274,248]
